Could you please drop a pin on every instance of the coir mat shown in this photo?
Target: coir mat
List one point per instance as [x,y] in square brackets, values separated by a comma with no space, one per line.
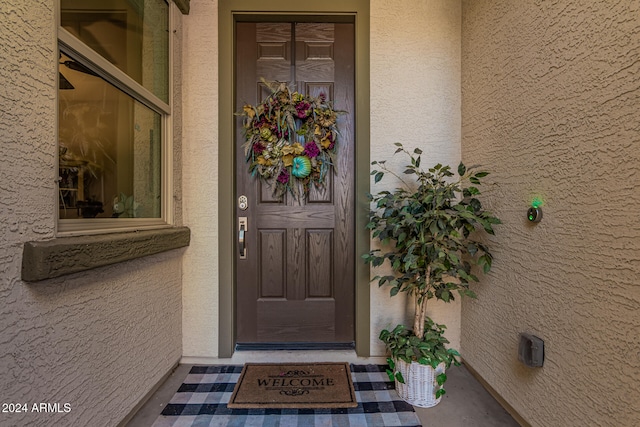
[294,385]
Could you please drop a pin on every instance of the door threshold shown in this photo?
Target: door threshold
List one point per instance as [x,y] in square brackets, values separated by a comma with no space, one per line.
[295,346]
[286,356]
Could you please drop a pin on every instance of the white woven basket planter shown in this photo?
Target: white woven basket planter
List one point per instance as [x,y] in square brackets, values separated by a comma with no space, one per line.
[420,385]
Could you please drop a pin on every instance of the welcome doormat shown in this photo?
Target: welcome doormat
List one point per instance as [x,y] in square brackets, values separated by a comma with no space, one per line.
[294,385]
[202,401]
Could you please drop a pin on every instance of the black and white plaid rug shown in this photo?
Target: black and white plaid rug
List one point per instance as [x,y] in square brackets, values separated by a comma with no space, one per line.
[202,401]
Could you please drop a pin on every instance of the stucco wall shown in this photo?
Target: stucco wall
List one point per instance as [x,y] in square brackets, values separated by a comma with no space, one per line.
[415,100]
[550,104]
[97,340]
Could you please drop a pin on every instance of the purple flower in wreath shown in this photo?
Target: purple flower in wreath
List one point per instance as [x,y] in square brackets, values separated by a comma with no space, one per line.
[281,133]
[311,150]
[283,178]
[302,109]
[258,148]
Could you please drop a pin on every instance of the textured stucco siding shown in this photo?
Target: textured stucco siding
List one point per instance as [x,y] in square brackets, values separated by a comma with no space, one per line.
[415,100]
[98,340]
[551,97]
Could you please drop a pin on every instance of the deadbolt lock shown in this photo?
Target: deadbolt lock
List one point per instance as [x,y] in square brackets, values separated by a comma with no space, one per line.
[243,203]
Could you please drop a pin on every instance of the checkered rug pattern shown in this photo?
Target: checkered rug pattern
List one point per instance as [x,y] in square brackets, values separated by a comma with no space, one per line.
[202,401]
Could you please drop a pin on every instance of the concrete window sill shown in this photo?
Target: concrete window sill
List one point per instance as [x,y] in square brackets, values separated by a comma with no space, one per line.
[66,255]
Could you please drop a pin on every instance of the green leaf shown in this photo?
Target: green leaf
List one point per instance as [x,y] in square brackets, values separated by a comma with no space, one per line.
[378,177]
[399,377]
[440,392]
[463,274]
[473,190]
[390,361]
[485,262]
[441,379]
[433,228]
[462,169]
[453,352]
[454,258]
[468,293]
[390,374]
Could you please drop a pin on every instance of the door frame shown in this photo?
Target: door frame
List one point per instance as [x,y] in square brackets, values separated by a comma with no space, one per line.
[229,12]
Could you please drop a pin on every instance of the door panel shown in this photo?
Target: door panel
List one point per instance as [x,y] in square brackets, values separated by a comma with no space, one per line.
[273,263]
[296,284]
[320,263]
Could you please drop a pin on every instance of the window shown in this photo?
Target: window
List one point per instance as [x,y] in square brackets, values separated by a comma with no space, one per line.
[113,114]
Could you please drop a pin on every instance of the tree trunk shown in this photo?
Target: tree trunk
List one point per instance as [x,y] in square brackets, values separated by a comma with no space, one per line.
[420,314]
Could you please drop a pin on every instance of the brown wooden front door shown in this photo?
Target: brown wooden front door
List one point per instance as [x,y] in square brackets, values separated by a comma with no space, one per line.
[295,287]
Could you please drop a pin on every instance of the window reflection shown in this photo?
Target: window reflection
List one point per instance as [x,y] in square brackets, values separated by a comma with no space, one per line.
[109,149]
[131,34]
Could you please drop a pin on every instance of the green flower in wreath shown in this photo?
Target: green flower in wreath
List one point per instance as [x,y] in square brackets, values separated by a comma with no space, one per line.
[301,167]
[266,135]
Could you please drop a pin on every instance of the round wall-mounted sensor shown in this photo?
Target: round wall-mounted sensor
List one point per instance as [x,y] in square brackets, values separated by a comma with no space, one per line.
[534,214]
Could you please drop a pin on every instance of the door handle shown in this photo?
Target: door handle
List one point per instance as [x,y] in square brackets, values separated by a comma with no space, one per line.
[242,230]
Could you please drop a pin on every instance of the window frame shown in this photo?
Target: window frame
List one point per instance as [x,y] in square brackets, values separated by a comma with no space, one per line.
[68,44]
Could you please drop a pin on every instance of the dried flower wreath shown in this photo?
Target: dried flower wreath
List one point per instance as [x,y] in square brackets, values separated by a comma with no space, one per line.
[290,140]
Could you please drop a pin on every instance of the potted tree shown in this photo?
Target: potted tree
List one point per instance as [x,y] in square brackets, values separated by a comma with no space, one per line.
[432,226]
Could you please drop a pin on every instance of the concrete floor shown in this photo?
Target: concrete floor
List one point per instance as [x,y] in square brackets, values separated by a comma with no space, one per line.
[466,404]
